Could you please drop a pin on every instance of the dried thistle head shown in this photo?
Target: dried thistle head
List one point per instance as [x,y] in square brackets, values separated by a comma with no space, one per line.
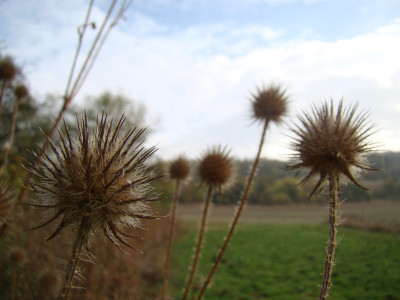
[179,168]
[101,175]
[48,282]
[330,141]
[17,256]
[216,167]
[8,69]
[21,91]
[6,195]
[269,104]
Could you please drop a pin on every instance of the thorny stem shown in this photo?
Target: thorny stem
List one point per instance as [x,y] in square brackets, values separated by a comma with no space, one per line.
[170,238]
[80,241]
[237,215]
[332,242]
[199,243]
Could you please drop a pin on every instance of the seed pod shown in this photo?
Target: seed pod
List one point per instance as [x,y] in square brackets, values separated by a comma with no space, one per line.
[179,168]
[7,69]
[100,175]
[329,140]
[269,104]
[215,168]
[21,91]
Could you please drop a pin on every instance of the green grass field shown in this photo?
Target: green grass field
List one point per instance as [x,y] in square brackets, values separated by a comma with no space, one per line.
[281,262]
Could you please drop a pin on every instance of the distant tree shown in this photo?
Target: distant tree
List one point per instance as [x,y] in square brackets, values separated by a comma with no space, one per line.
[114,105]
[287,190]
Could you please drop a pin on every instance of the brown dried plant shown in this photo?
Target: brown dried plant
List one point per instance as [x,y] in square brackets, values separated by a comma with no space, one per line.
[97,181]
[269,104]
[332,145]
[215,171]
[179,170]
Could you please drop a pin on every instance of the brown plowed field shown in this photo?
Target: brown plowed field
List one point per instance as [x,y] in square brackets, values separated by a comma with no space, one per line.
[374,212]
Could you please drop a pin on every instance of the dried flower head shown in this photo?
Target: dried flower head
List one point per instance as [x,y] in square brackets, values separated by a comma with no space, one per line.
[21,91]
[17,255]
[7,69]
[100,175]
[47,280]
[332,142]
[6,196]
[215,168]
[179,168]
[269,104]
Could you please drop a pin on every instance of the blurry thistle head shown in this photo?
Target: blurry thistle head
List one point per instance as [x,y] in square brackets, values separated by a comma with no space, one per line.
[269,104]
[6,195]
[332,141]
[47,280]
[21,91]
[216,167]
[17,255]
[8,69]
[179,168]
[101,174]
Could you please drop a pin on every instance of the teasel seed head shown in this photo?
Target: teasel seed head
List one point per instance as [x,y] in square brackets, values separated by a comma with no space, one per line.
[101,174]
[179,168]
[17,256]
[269,104]
[332,141]
[8,69]
[47,280]
[216,167]
[21,91]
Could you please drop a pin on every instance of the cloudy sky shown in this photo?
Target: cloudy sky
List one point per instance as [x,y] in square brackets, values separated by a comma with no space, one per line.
[194,63]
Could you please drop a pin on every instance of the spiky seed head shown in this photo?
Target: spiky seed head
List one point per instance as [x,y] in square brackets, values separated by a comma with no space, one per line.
[21,91]
[179,168]
[101,174]
[6,195]
[329,141]
[269,104]
[7,69]
[216,167]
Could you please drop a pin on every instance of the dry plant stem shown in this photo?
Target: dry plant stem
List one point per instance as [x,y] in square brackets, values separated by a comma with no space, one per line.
[80,241]
[11,140]
[170,238]
[199,243]
[78,47]
[332,242]
[3,87]
[237,215]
